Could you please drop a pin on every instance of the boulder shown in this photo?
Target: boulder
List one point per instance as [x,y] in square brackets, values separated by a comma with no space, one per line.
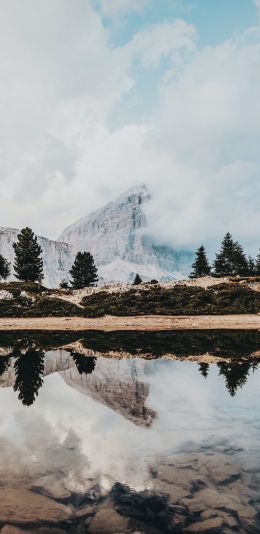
[21,506]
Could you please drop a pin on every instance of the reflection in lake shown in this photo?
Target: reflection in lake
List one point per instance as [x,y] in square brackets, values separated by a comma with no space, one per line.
[130,432]
[26,355]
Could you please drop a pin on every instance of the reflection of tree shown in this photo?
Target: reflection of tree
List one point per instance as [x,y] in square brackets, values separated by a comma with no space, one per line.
[236,375]
[204,369]
[29,367]
[4,364]
[85,364]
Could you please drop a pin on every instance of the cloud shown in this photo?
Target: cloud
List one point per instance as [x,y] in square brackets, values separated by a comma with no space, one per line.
[163,40]
[114,8]
[209,121]
[61,81]
[82,120]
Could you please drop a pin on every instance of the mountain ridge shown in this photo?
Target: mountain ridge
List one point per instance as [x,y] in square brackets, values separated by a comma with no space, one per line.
[117,236]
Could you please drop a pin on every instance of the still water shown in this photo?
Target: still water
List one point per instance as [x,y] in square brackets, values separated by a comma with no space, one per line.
[130,432]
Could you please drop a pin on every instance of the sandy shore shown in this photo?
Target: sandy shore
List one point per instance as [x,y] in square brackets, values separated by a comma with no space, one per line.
[149,322]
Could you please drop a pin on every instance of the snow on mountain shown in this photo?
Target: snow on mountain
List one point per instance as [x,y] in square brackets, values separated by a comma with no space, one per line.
[117,237]
[57,257]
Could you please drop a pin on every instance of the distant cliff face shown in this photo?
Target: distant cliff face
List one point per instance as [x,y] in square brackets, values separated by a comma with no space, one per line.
[117,237]
[115,231]
[57,257]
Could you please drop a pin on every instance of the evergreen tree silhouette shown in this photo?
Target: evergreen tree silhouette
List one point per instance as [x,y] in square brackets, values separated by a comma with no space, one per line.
[84,364]
[204,369]
[28,263]
[236,375]
[201,266]
[257,264]
[29,368]
[251,266]
[138,280]
[83,271]
[4,268]
[231,259]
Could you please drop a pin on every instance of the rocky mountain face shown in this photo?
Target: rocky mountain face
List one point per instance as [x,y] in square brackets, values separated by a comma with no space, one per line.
[118,238]
[57,257]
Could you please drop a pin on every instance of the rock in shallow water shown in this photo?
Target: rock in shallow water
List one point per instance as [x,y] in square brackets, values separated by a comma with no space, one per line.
[108,521]
[21,506]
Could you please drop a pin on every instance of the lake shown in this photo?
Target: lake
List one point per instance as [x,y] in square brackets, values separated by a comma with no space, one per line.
[123,432]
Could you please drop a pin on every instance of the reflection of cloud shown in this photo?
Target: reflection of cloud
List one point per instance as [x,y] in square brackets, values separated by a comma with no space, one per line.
[71,438]
[41,453]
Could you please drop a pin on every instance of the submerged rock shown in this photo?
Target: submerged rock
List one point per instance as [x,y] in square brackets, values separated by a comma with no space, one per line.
[22,506]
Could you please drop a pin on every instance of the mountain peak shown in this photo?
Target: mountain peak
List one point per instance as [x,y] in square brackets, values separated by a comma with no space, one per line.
[117,236]
[135,195]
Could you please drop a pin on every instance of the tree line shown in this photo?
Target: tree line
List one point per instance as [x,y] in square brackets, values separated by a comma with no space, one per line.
[28,263]
[231,260]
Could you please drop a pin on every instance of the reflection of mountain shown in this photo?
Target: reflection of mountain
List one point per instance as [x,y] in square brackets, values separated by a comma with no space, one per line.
[110,366]
[54,361]
[120,385]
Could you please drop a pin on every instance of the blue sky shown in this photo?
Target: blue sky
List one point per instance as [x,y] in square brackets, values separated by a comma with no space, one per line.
[97,96]
[215,20]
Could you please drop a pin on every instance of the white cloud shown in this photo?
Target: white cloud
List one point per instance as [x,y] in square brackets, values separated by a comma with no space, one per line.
[163,40]
[197,147]
[114,8]
[209,121]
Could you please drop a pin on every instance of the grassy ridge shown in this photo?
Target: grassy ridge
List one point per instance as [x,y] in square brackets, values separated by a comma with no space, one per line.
[32,300]
[180,300]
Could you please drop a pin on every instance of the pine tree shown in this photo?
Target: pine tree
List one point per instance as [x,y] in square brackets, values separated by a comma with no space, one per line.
[241,262]
[83,271]
[138,280]
[257,264]
[64,284]
[251,266]
[201,265]
[4,268]
[28,262]
[231,260]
